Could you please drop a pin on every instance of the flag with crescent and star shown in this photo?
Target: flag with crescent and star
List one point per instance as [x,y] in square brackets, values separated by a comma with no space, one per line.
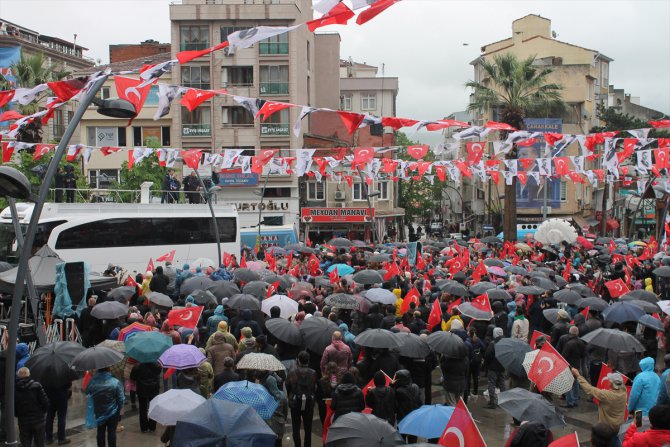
[461,431]
[616,287]
[187,317]
[546,367]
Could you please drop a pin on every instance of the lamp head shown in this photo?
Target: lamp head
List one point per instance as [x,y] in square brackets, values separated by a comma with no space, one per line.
[13,183]
[374,194]
[115,108]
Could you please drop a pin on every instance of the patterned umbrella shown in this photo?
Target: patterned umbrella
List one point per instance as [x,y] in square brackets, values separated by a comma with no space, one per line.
[249,393]
[260,362]
[182,357]
[132,329]
[561,384]
[117,369]
[342,301]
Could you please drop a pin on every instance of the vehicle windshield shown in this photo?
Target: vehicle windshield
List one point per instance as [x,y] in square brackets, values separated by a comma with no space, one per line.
[9,247]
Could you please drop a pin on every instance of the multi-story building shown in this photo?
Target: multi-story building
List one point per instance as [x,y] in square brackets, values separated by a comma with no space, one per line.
[124,51]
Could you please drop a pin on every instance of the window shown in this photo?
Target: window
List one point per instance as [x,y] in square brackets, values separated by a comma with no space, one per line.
[193,37]
[369,101]
[150,136]
[102,178]
[196,123]
[106,136]
[104,93]
[274,79]
[316,190]
[564,192]
[227,30]
[589,89]
[276,125]
[383,188]
[236,116]
[358,192]
[58,124]
[274,45]
[345,101]
[308,57]
[195,77]
[152,97]
[237,76]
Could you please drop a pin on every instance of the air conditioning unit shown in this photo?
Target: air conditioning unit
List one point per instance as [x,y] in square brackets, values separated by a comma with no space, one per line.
[340,195]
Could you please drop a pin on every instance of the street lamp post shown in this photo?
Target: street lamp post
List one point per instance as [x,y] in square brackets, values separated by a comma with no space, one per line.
[208,198]
[369,194]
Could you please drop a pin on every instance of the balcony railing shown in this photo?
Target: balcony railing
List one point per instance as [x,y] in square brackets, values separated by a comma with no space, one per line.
[196,130]
[273,47]
[275,130]
[194,46]
[198,85]
[274,88]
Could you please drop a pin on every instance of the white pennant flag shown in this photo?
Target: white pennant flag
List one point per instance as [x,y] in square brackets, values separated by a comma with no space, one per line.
[298,124]
[247,37]
[244,162]
[565,142]
[644,162]
[512,166]
[592,178]
[430,178]
[153,73]
[508,177]
[25,96]
[639,133]
[578,161]
[303,161]
[544,166]
[87,153]
[166,94]
[581,139]
[253,105]
[439,149]
[324,6]
[172,156]
[358,4]
[535,176]
[140,153]
[641,186]
[471,132]
[229,157]
[501,147]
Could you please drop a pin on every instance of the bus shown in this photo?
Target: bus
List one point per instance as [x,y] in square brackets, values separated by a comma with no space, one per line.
[126,235]
[271,236]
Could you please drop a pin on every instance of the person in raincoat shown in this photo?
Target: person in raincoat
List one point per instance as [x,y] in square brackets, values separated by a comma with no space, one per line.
[105,402]
[664,393]
[213,321]
[648,285]
[348,338]
[646,386]
[182,276]
[229,338]
[22,355]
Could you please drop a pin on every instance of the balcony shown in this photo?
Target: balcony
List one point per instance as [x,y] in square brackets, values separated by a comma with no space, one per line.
[274,88]
[187,46]
[198,85]
[196,130]
[275,130]
[271,48]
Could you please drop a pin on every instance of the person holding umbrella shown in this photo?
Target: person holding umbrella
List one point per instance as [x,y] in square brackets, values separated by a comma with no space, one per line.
[107,395]
[301,388]
[611,403]
[147,379]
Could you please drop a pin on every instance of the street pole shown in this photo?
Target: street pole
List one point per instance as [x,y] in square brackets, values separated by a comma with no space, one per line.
[260,209]
[367,197]
[208,199]
[22,270]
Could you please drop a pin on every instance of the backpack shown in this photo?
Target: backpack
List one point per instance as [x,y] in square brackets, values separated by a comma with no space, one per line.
[302,394]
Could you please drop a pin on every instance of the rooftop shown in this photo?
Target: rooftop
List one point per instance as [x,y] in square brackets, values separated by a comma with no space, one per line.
[131,64]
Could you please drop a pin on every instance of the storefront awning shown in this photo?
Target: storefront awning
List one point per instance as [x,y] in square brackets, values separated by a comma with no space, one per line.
[395,212]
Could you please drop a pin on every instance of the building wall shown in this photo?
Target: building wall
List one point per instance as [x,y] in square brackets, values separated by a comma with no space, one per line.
[124,52]
[327,82]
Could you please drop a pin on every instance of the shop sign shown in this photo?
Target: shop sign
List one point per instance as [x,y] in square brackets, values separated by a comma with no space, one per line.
[330,215]
[235,177]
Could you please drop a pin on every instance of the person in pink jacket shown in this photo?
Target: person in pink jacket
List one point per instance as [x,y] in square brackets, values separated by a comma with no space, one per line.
[337,351]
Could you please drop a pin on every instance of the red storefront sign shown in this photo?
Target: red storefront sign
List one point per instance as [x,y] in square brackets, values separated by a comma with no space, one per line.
[327,215]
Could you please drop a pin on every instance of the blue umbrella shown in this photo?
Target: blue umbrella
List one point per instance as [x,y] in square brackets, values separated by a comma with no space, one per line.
[221,423]
[427,421]
[622,312]
[651,322]
[342,269]
[249,393]
[146,347]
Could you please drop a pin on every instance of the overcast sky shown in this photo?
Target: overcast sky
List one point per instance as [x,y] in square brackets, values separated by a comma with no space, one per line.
[427,44]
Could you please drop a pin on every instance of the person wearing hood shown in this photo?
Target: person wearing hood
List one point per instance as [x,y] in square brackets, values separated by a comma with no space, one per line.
[348,338]
[222,327]
[664,393]
[657,436]
[500,316]
[521,326]
[511,313]
[648,285]
[646,386]
[381,399]
[107,397]
[398,302]
[145,287]
[182,276]
[213,321]
[218,351]
[530,434]
[147,379]
[373,319]
[347,397]
[171,274]
[31,404]
[337,352]
[560,328]
[301,390]
[496,372]
[407,397]
[22,355]
[455,370]
[573,350]
[246,320]
[159,282]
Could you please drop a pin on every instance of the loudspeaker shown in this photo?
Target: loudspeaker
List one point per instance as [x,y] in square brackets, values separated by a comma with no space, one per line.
[74,275]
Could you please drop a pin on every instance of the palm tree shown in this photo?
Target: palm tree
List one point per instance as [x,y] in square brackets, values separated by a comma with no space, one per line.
[519,89]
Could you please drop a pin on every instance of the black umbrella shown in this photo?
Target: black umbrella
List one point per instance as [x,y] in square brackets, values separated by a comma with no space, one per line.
[284,282]
[340,242]
[368,277]
[160,299]
[377,338]
[96,357]
[4,266]
[245,275]
[593,303]
[473,312]
[510,352]
[546,270]
[284,330]
[551,315]
[493,262]
[203,297]
[622,312]
[481,287]
[411,345]
[342,301]
[603,240]
[560,281]
[362,430]
[580,288]
[536,274]
[523,405]
[498,294]
[244,301]
[323,281]
[648,307]
[516,270]
[544,283]
[455,288]
[613,339]
[568,296]
[640,294]
[491,240]
[529,290]
[381,257]
[224,289]
[448,344]
[109,310]
[651,322]
[122,294]
[195,283]
[50,364]
[316,333]
[662,271]
[259,289]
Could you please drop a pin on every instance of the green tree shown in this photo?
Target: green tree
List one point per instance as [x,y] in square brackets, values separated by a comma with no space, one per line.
[518,89]
[617,120]
[148,170]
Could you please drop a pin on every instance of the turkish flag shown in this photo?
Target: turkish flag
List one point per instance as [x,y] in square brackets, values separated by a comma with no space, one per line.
[131,282]
[420,262]
[243,262]
[417,152]
[41,150]
[393,270]
[660,124]
[441,172]
[523,177]
[313,265]
[167,257]
[461,430]
[227,259]
[475,151]
[65,90]
[616,287]
[479,272]
[371,384]
[663,142]
[194,97]
[547,366]
[562,165]
[6,96]
[192,158]
[526,143]
[150,266]
[187,56]
[412,296]
[273,289]
[397,123]
[498,126]
[552,138]
[435,315]
[453,304]
[535,336]
[339,15]
[334,276]
[455,265]
[351,120]
[363,155]
[127,88]
[482,303]
[187,317]
[374,10]
[661,158]
[570,440]
[271,107]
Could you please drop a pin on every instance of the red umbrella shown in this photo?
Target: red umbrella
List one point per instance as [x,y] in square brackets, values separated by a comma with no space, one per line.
[132,328]
[581,240]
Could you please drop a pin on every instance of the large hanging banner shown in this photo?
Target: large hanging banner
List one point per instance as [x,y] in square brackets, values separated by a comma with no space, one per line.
[336,215]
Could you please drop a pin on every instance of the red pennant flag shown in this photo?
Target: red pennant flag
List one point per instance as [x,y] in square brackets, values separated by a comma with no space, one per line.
[150,266]
[479,272]
[227,259]
[192,158]
[659,124]
[87,378]
[495,176]
[482,303]
[363,156]
[41,150]
[498,126]
[187,56]
[187,317]
[584,312]
[351,120]
[435,315]
[272,289]
[289,260]
[7,151]
[663,142]
[392,271]
[243,262]
[547,366]
[420,263]
[536,334]
[412,297]
[570,440]
[327,422]
[441,172]
[6,96]
[167,256]
[194,97]
[463,168]
[526,143]
[453,304]
[127,89]
[271,107]
[65,90]
[566,272]
[562,165]
[552,138]
[308,242]
[130,282]
[339,15]
[397,123]
[10,115]
[455,265]
[661,158]
[334,276]
[313,265]
[374,10]
[475,151]
[616,287]
[417,152]
[461,430]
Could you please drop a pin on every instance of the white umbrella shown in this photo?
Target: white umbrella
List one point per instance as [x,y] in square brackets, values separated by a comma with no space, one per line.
[561,383]
[382,296]
[172,405]
[665,306]
[287,305]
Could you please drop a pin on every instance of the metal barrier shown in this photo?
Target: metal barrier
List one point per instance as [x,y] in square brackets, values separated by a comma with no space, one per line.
[95,195]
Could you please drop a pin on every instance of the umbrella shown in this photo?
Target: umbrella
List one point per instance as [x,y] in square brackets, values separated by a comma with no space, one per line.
[561,384]
[593,303]
[96,358]
[203,297]
[581,240]
[368,277]
[523,246]
[448,344]
[342,301]
[603,240]
[377,338]
[640,294]
[287,306]
[411,345]
[551,315]
[662,271]
[146,347]
[455,288]
[173,405]
[316,333]
[116,345]
[381,296]
[498,294]
[544,283]
[580,288]
[340,242]
[622,312]
[664,306]
[529,290]
[109,310]
[245,275]
[195,283]
[613,339]
[260,362]
[256,266]
[474,313]
[218,423]
[494,262]
[342,269]
[481,287]
[122,294]
[523,405]
[497,271]
[284,331]
[427,421]
[284,282]
[362,430]
[491,240]
[567,296]
[224,289]
[133,328]
[249,393]
[648,307]
[516,270]
[160,299]
[651,322]
[243,301]
[379,257]
[510,352]
[50,364]
[182,356]
[560,281]
[259,289]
